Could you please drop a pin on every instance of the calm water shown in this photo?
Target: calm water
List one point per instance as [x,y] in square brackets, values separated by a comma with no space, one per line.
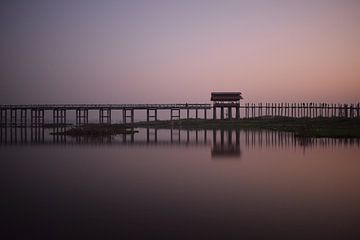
[177,184]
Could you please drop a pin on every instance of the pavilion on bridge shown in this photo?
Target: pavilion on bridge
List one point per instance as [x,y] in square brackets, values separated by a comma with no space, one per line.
[226,100]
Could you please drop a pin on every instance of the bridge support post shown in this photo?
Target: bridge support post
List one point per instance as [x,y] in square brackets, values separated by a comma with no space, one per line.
[57,116]
[4,117]
[196,114]
[13,117]
[346,110]
[109,116]
[23,117]
[1,117]
[229,113]
[77,117]
[214,112]
[82,116]
[32,117]
[126,116]
[237,113]
[61,115]
[42,118]
[37,117]
[205,113]
[172,115]
[132,117]
[222,113]
[103,116]
[260,110]
[149,116]
[59,121]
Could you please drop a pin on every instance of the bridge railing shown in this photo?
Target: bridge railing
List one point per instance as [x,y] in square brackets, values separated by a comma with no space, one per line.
[137,106]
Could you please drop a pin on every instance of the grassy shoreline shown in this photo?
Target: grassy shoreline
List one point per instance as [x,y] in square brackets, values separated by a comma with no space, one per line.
[96,130]
[301,127]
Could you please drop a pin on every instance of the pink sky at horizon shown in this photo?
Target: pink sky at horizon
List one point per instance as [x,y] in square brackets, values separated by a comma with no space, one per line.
[179,51]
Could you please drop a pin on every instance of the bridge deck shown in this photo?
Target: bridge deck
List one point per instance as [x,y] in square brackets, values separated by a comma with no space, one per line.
[108,106]
[226,110]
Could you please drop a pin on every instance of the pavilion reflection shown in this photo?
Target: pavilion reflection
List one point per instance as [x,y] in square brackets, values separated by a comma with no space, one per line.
[228,146]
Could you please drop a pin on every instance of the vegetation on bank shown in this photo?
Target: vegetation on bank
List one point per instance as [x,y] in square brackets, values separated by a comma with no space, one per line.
[302,127]
[96,130]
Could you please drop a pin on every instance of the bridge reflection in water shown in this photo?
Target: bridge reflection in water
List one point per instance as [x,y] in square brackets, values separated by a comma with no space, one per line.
[227,147]
[224,143]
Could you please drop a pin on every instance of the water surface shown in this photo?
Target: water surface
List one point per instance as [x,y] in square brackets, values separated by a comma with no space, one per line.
[179,184]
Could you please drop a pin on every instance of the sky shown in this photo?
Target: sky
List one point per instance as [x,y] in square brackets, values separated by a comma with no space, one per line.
[179,51]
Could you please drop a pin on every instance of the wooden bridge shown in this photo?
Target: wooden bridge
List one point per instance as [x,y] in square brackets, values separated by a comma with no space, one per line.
[302,110]
[19,115]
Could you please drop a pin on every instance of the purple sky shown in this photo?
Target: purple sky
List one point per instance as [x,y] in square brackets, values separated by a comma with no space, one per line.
[179,51]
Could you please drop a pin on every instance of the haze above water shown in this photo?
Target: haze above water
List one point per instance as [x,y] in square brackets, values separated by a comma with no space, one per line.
[180,184]
[179,51]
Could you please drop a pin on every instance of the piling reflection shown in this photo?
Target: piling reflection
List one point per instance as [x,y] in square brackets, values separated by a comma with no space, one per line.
[223,142]
[22,135]
[151,134]
[276,139]
[56,136]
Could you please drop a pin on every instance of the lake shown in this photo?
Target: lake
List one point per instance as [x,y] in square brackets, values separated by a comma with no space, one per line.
[179,184]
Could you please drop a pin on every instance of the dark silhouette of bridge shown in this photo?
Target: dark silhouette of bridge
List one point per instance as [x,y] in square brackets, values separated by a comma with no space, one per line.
[225,102]
[19,115]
